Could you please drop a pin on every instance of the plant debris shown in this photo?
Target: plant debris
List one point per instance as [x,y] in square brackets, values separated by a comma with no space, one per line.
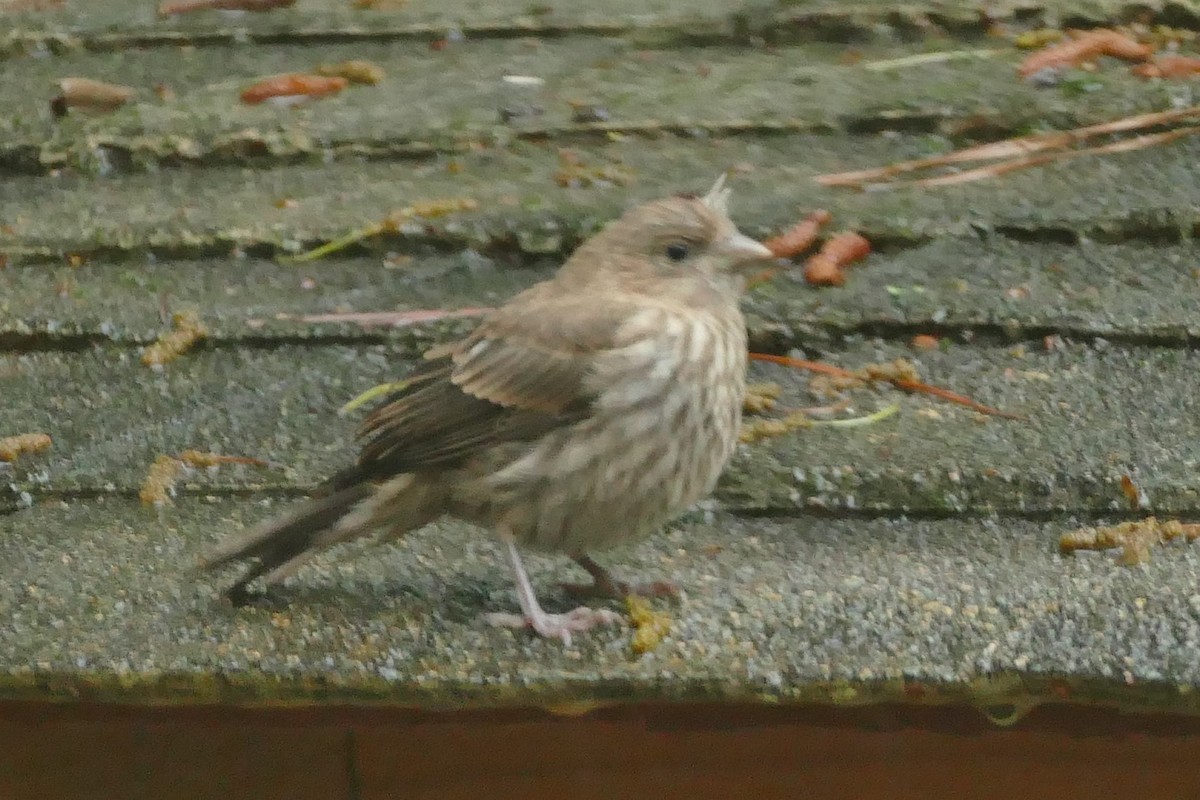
[89,95]
[1169,67]
[839,252]
[1135,538]
[900,373]
[923,341]
[760,397]
[798,238]
[425,209]
[760,429]
[159,486]
[584,112]
[175,7]
[292,88]
[23,444]
[1037,39]
[1134,494]
[1020,152]
[356,71]
[574,173]
[792,242]
[1085,46]
[186,332]
[924,59]
[649,626]
[374,393]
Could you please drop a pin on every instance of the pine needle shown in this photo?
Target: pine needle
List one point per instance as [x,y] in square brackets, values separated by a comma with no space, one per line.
[858,422]
[921,59]
[337,244]
[373,393]
[1018,147]
[1012,165]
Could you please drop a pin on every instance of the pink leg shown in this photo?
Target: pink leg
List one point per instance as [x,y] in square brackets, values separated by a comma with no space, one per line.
[605,585]
[559,626]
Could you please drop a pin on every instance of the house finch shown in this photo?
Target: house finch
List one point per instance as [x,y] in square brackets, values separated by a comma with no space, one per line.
[586,412]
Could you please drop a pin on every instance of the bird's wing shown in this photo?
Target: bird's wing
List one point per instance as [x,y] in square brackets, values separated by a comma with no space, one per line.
[521,373]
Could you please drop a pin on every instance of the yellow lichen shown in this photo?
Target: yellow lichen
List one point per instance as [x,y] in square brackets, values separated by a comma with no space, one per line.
[1135,538]
[761,397]
[356,71]
[159,486]
[649,626]
[187,330]
[11,447]
[573,172]
[1033,40]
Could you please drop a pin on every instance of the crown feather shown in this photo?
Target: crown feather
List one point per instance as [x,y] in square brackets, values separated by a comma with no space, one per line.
[717,198]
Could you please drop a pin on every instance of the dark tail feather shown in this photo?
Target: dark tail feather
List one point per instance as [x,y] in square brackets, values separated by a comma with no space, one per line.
[281,545]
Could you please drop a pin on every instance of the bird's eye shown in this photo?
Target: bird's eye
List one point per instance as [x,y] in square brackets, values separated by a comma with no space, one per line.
[677,251]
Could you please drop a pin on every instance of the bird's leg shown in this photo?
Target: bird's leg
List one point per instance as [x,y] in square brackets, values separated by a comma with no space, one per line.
[559,626]
[605,585]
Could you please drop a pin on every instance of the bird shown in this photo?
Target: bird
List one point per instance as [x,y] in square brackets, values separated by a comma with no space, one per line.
[586,412]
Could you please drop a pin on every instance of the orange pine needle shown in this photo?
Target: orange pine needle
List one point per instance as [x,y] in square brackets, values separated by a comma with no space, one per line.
[899,383]
[800,363]
[953,397]
[195,458]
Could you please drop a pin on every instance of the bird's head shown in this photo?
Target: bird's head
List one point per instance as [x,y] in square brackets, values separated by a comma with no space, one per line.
[682,236]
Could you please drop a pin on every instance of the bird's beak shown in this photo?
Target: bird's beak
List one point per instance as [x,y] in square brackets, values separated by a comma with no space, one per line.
[740,248]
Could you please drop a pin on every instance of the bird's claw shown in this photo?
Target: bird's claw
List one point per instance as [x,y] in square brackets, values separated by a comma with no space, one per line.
[557,626]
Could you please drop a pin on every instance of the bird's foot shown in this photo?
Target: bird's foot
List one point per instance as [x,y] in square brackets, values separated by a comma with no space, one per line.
[604,585]
[556,626]
[619,590]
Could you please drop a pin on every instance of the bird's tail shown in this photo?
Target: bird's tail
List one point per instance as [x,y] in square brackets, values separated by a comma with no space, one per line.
[280,546]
